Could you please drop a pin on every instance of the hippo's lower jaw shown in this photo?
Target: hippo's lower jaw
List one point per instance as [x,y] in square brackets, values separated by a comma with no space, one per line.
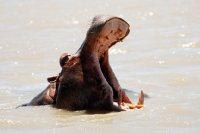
[114,30]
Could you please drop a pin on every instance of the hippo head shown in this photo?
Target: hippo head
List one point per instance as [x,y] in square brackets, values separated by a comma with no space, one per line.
[104,32]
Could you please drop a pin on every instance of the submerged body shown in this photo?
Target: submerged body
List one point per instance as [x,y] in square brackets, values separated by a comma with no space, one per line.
[87,80]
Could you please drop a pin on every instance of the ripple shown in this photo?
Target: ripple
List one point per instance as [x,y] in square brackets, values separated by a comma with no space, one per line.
[117,51]
[187,45]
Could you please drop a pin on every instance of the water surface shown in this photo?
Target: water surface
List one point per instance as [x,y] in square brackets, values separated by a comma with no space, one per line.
[161,56]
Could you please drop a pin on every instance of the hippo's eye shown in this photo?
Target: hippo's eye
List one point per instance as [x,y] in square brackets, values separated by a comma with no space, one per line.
[107,38]
[111,31]
[65,58]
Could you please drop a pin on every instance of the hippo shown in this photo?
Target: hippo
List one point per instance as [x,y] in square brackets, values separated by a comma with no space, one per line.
[87,80]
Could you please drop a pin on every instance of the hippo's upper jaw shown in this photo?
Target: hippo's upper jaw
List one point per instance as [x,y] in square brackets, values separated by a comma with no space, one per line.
[105,31]
[114,30]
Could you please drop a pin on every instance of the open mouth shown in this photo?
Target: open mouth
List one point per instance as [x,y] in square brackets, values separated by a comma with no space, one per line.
[114,30]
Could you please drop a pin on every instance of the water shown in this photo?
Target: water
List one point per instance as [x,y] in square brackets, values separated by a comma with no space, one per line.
[161,56]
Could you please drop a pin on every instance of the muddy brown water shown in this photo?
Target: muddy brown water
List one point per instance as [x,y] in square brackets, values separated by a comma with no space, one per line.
[161,56]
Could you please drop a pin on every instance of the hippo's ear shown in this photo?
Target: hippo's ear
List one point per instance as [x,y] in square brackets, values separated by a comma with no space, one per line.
[63,58]
[53,78]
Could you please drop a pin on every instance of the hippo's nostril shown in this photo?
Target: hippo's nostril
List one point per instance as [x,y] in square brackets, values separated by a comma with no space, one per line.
[119,40]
